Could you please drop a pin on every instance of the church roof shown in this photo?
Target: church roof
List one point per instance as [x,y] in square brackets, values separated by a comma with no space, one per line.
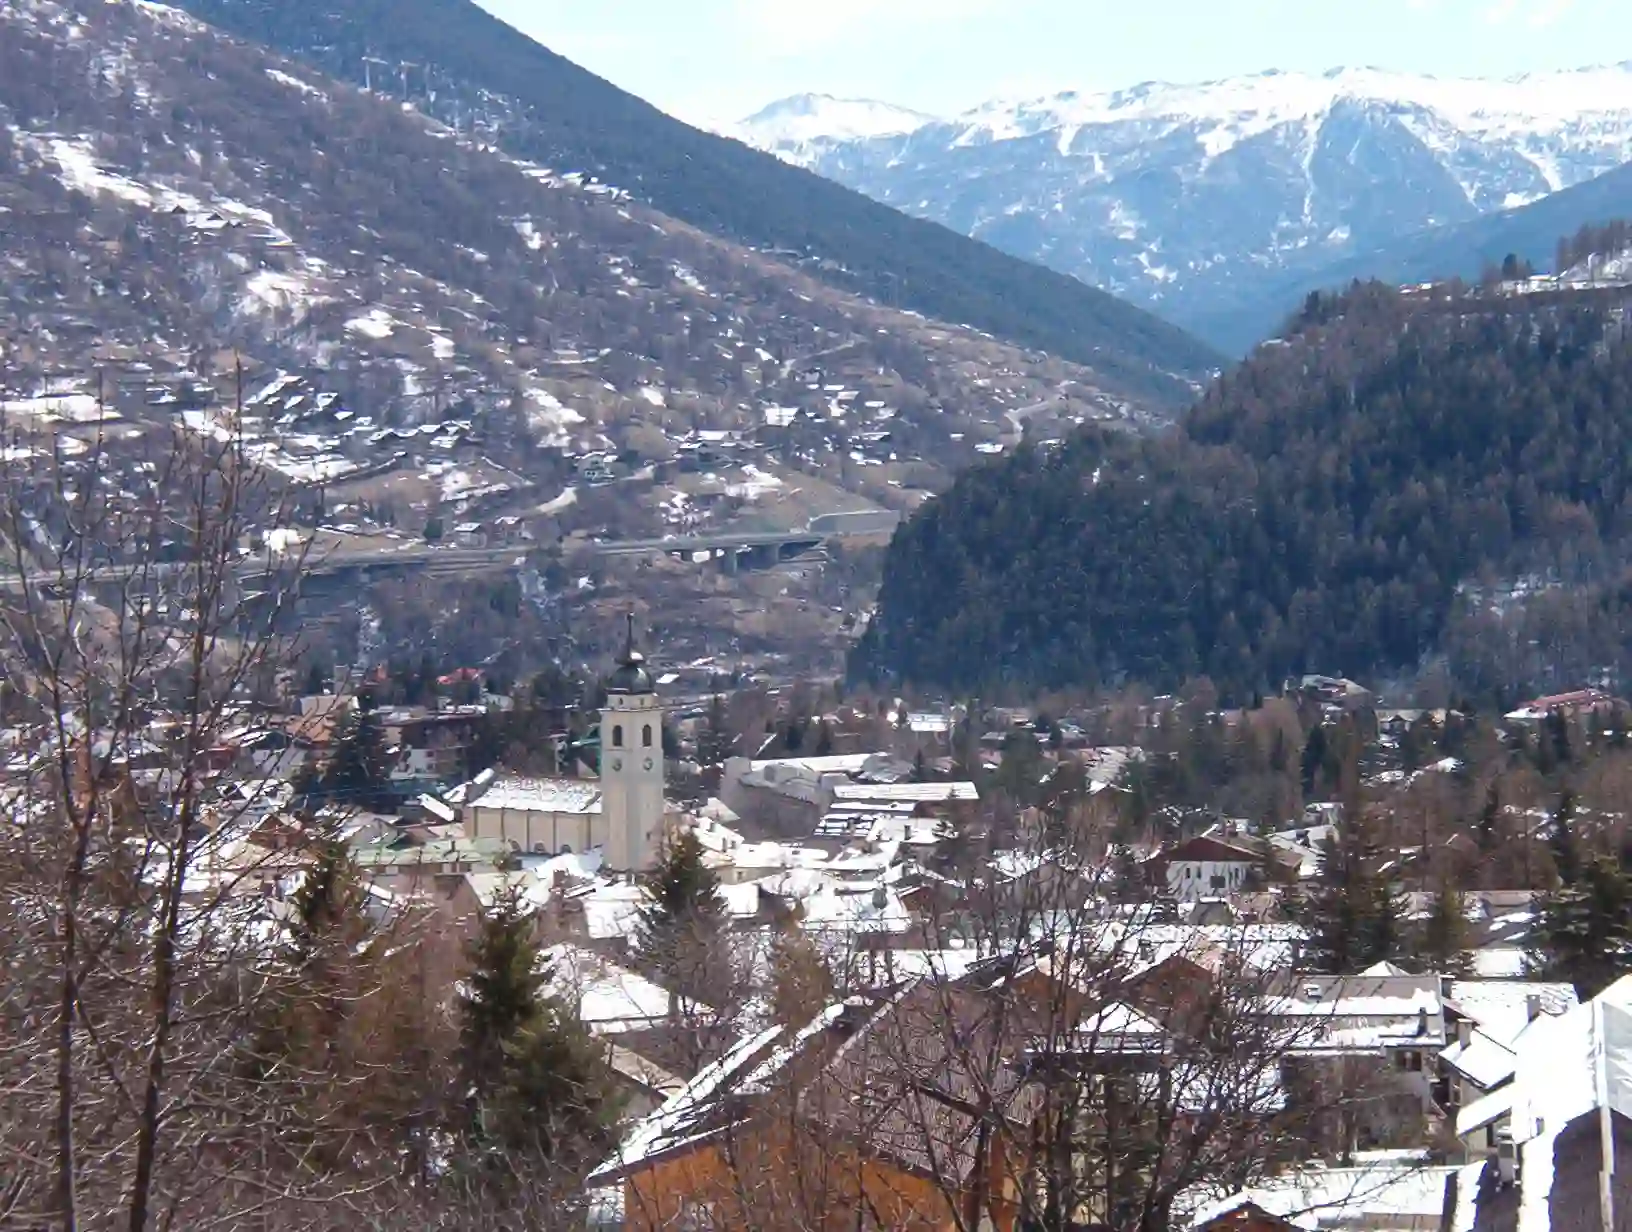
[630,675]
[542,795]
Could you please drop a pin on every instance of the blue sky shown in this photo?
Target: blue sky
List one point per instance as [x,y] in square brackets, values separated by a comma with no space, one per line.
[721,59]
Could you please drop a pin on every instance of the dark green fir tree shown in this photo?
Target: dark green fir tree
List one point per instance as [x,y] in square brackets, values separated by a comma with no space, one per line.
[1561,840]
[1583,930]
[1444,947]
[681,918]
[1350,909]
[534,1080]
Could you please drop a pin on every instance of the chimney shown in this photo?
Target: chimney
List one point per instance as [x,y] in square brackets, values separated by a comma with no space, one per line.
[1532,1007]
[1422,1022]
[1464,1031]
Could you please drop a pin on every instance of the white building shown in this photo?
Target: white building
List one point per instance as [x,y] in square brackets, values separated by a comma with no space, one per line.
[1208,867]
[632,763]
[622,813]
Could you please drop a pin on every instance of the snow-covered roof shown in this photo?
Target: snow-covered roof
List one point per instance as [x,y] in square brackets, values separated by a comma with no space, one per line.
[1388,1193]
[611,910]
[1502,1007]
[608,998]
[1483,1061]
[683,1117]
[915,792]
[530,795]
[1484,1112]
[1569,1065]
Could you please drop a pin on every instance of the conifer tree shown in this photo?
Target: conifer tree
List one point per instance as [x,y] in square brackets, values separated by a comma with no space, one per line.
[1315,755]
[323,970]
[1583,930]
[1350,910]
[503,991]
[681,918]
[1561,840]
[357,766]
[328,906]
[1490,819]
[558,1101]
[1444,945]
[534,1081]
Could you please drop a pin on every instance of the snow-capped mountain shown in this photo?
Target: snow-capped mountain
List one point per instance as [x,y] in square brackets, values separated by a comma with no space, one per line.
[802,128]
[1202,200]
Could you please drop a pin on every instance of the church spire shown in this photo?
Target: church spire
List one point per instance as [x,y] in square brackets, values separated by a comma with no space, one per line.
[630,654]
[630,675]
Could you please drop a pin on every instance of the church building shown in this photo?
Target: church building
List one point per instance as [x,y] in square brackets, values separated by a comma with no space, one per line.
[622,813]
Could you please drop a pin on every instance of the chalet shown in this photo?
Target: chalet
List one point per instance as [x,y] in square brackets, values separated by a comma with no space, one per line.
[807,1126]
[1582,703]
[1378,1031]
[1206,866]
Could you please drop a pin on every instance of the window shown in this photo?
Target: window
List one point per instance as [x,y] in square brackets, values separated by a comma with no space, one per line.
[566,849]
[646,736]
[617,735]
[1218,881]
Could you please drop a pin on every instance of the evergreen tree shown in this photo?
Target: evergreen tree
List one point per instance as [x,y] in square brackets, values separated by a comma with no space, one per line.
[356,767]
[558,1101]
[503,991]
[1583,930]
[535,1083]
[1315,755]
[1561,840]
[328,906]
[681,919]
[1555,731]
[1350,909]
[1490,818]
[321,969]
[1444,945]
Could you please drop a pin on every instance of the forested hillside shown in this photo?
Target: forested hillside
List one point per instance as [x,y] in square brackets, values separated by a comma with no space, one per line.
[1465,250]
[1404,477]
[465,63]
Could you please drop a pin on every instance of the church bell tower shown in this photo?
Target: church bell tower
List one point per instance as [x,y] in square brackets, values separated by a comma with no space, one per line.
[632,804]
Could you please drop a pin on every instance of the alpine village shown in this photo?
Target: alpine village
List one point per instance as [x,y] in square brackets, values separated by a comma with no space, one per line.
[1058,667]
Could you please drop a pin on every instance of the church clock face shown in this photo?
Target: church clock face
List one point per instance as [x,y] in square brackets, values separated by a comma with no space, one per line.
[617,763]
[648,763]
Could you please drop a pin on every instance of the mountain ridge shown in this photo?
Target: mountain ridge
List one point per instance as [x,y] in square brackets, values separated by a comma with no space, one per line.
[1202,201]
[540,106]
[201,196]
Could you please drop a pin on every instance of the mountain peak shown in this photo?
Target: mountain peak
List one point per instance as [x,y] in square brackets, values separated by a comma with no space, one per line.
[801,121]
[1206,200]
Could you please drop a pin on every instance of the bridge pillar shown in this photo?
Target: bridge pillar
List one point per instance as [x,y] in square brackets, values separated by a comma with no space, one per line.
[728,562]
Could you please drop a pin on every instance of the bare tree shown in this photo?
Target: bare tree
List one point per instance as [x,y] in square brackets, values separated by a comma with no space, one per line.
[1050,1059]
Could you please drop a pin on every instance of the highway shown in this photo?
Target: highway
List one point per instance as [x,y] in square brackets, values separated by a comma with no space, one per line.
[459,559]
